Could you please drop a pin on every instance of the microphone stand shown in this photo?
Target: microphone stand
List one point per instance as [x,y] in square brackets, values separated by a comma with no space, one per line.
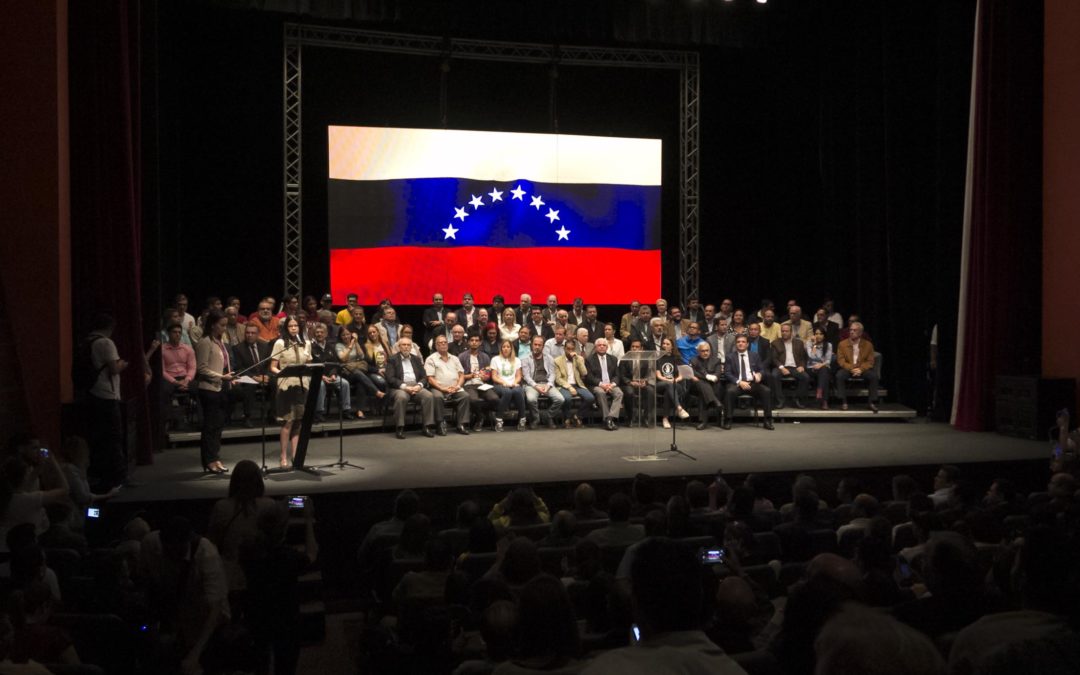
[341,463]
[266,397]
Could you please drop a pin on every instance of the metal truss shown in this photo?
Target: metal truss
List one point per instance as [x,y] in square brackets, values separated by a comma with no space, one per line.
[298,36]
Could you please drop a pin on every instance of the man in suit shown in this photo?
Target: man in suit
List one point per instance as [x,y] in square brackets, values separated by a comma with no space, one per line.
[801,328]
[718,340]
[577,312]
[626,323]
[592,324]
[434,318]
[640,394]
[584,346]
[407,380]
[322,351]
[538,373]
[760,345]
[469,314]
[743,373]
[677,326]
[789,360]
[855,358]
[249,352]
[537,325]
[458,343]
[570,375]
[707,380]
[524,309]
[602,376]
[694,311]
[551,310]
[388,326]
[562,318]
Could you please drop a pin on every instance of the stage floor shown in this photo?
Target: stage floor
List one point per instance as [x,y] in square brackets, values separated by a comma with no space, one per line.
[543,456]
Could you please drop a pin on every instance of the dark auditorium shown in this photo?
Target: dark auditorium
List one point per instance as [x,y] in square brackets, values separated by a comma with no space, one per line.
[508,337]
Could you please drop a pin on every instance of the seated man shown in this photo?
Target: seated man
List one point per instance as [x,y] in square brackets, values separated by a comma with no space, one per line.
[554,346]
[570,374]
[640,393]
[743,374]
[538,372]
[602,376]
[458,344]
[789,357]
[707,380]
[322,351]
[406,380]
[177,366]
[250,352]
[476,366]
[446,377]
[265,321]
[688,343]
[627,320]
[537,325]
[855,358]
[584,347]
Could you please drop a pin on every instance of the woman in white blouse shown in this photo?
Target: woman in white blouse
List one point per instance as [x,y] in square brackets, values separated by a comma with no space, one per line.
[509,328]
[291,350]
[506,376]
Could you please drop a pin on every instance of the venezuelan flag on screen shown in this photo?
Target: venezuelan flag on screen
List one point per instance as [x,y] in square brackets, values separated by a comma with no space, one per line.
[415,211]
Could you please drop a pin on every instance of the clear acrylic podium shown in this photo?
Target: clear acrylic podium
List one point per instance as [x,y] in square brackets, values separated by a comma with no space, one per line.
[644,438]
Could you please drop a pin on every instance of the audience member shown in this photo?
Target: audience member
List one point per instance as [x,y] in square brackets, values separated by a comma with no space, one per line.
[234,520]
[619,532]
[860,640]
[585,503]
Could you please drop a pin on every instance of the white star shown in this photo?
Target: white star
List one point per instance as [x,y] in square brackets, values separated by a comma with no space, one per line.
[552,215]
[476,202]
[450,232]
[563,233]
[460,213]
[537,202]
[518,193]
[495,195]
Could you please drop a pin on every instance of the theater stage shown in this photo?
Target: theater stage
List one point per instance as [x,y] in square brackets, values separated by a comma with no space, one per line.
[545,456]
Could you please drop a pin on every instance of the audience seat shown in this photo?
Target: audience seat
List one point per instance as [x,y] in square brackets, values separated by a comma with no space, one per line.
[760,662]
[895,512]
[768,545]
[903,537]
[534,532]
[475,565]
[551,558]
[102,639]
[849,540]
[586,526]
[612,556]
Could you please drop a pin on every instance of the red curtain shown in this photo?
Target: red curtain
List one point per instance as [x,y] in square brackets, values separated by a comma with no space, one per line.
[1000,285]
[106,221]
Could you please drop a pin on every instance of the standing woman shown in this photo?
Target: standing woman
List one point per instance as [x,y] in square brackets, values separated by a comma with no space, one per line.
[291,350]
[819,361]
[669,383]
[214,370]
[506,376]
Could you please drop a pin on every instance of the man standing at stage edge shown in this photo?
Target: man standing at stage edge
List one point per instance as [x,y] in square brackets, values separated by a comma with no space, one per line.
[101,366]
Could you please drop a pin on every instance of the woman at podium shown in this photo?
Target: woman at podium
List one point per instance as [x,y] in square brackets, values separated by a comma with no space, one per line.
[290,350]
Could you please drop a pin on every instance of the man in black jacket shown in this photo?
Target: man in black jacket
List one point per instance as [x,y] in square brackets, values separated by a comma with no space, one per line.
[406,380]
[602,376]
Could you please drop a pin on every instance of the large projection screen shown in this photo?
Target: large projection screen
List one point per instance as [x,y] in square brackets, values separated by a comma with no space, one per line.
[417,211]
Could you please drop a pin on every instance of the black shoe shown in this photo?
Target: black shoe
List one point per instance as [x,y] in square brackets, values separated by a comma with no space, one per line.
[779,405]
[478,426]
[428,432]
[535,424]
[247,423]
[726,426]
[768,425]
[701,425]
[441,429]
[610,424]
[462,429]
[873,406]
[400,433]
[799,403]
[551,422]
[319,418]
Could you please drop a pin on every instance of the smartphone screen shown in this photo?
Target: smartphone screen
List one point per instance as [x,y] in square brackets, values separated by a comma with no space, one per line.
[297,502]
[713,556]
[93,512]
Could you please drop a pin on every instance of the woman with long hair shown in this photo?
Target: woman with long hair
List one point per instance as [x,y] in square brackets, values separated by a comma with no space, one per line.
[291,350]
[234,520]
[509,328]
[670,386]
[506,376]
[354,367]
[819,362]
[376,352]
[213,367]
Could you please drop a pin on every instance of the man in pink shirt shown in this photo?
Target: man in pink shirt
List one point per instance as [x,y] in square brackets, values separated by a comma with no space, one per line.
[177,367]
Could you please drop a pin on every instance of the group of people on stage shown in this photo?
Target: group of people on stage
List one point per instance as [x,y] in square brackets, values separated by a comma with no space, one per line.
[486,360]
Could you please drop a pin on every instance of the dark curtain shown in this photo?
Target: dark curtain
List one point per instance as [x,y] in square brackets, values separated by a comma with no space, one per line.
[106,220]
[999,311]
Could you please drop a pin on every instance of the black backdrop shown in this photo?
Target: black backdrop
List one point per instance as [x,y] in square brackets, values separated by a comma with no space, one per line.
[833,153]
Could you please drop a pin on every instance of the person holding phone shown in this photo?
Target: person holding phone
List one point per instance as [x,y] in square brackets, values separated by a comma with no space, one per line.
[30,480]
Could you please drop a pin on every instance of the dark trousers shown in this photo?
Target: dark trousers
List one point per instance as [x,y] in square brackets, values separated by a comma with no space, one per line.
[215,411]
[802,382]
[671,393]
[480,401]
[821,376]
[868,376]
[760,393]
[641,401]
[248,393]
[108,460]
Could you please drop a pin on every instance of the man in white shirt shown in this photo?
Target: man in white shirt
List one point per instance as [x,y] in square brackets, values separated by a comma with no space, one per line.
[551,310]
[615,346]
[108,460]
[446,377]
[538,372]
[944,485]
[406,380]
[789,359]
[468,315]
[602,375]
[554,346]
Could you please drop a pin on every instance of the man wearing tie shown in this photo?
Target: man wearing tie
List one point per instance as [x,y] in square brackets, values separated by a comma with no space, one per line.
[743,373]
[640,395]
[406,379]
[248,353]
[433,318]
[602,376]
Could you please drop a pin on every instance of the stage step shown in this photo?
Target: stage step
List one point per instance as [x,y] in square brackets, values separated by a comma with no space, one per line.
[856,411]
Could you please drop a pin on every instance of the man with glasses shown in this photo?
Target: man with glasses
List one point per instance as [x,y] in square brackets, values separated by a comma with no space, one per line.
[266,322]
[407,380]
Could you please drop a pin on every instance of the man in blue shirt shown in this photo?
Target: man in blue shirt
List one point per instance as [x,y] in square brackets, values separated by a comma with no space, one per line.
[688,343]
